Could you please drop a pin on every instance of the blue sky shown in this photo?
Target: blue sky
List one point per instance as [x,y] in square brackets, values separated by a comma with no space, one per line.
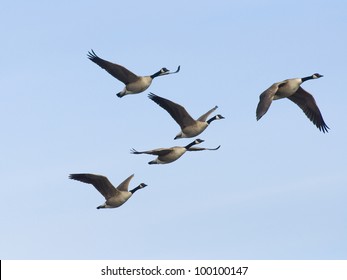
[276,189]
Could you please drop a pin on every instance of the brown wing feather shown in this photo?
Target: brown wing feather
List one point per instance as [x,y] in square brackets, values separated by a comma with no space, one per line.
[265,100]
[205,116]
[307,103]
[193,149]
[116,70]
[124,185]
[156,152]
[177,112]
[101,183]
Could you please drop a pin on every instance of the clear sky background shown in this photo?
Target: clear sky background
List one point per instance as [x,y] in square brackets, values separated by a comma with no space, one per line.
[276,189]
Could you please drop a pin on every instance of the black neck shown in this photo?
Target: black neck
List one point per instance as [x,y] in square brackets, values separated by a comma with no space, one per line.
[156,74]
[135,189]
[190,145]
[306,78]
[212,119]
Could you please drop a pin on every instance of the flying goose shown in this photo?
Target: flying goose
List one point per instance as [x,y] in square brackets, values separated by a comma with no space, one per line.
[133,83]
[167,155]
[293,91]
[115,197]
[189,126]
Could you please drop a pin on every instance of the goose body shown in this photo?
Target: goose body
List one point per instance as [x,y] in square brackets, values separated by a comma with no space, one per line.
[168,155]
[115,197]
[291,89]
[189,126]
[133,83]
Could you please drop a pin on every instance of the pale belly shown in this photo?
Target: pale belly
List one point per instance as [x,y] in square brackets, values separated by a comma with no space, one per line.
[286,91]
[138,86]
[174,155]
[117,201]
[194,130]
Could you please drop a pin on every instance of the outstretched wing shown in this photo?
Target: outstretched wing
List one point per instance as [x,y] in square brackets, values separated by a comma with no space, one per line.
[307,103]
[124,185]
[192,149]
[156,152]
[265,100]
[205,116]
[177,112]
[116,70]
[101,183]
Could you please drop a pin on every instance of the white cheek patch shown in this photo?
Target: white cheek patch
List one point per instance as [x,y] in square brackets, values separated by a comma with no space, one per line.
[316,76]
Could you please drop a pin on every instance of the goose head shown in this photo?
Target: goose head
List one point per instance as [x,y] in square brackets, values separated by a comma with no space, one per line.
[142,185]
[163,71]
[216,117]
[198,141]
[316,76]
[195,142]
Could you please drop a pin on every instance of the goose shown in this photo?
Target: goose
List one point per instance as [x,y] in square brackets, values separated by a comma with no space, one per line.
[189,126]
[115,197]
[291,88]
[168,155]
[133,83]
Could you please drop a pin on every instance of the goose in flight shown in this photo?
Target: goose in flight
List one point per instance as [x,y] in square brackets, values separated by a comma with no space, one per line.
[115,197]
[189,126]
[167,155]
[292,89]
[133,83]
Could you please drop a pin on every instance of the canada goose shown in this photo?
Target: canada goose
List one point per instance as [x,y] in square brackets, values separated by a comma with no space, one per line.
[133,83]
[293,91]
[167,155]
[189,126]
[115,197]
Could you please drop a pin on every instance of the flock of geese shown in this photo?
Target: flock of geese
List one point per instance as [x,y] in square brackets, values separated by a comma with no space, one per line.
[116,196]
